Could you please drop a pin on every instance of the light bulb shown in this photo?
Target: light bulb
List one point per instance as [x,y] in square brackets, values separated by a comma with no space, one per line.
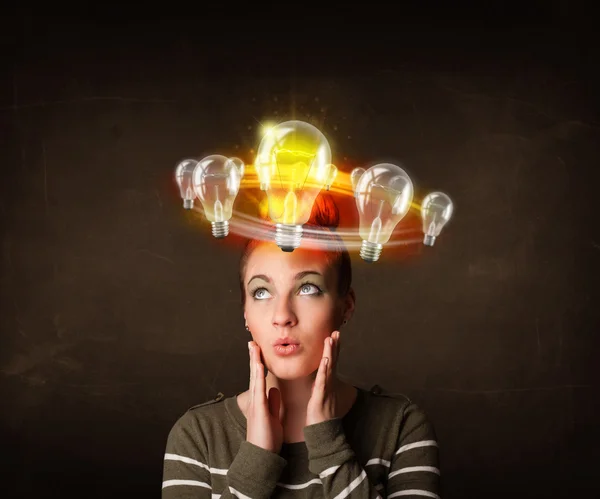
[216,183]
[384,194]
[331,174]
[354,177]
[436,211]
[183,176]
[239,165]
[292,163]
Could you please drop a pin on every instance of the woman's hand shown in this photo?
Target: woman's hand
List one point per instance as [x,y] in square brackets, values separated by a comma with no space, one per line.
[264,427]
[322,404]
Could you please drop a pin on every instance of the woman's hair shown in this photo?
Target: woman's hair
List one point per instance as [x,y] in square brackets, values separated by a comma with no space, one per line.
[324,219]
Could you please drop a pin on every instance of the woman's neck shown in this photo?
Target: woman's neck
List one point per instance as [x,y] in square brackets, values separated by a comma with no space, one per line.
[294,403]
[295,395]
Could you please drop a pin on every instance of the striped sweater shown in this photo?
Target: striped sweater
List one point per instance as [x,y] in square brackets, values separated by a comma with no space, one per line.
[384,447]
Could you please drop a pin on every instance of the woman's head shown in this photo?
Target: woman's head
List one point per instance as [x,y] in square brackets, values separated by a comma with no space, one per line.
[305,294]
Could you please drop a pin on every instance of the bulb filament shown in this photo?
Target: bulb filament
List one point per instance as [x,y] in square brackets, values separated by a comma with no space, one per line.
[289,208]
[218,211]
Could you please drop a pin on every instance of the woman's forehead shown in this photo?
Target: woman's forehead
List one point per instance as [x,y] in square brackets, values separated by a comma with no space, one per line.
[269,258]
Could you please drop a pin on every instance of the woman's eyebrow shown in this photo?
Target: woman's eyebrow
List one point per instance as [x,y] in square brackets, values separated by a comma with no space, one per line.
[258,276]
[299,275]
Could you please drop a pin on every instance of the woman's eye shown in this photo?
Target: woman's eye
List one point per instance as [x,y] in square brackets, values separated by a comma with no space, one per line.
[259,290]
[309,286]
[305,289]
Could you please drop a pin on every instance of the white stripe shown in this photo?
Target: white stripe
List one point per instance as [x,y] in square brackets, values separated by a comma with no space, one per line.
[237,493]
[189,460]
[325,473]
[413,492]
[355,483]
[298,486]
[194,483]
[410,469]
[329,471]
[422,443]
[377,460]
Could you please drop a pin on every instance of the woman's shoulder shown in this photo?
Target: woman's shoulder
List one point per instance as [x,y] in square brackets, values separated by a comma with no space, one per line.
[400,407]
[202,414]
[219,397]
[392,400]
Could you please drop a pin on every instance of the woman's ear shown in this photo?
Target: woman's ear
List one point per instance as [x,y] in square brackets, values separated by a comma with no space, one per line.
[349,305]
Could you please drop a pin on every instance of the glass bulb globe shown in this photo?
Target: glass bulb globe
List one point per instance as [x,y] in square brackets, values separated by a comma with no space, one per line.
[384,194]
[292,163]
[183,176]
[354,177]
[216,183]
[436,211]
[333,171]
[239,165]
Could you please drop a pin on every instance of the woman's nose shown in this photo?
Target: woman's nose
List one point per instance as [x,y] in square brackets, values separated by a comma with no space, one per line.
[284,315]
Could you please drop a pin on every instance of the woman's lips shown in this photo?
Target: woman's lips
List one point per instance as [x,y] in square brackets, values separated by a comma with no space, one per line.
[285,350]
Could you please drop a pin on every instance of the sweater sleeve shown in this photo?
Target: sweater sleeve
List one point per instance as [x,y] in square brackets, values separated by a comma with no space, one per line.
[413,471]
[187,473]
[331,457]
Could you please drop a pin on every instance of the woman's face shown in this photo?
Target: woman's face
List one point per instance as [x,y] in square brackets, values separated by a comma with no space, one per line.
[291,294]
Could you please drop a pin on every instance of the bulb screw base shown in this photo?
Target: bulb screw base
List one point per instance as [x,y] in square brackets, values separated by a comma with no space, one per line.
[188,204]
[370,252]
[288,237]
[428,240]
[220,229]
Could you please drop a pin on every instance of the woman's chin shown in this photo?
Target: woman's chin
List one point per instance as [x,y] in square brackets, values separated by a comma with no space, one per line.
[288,369]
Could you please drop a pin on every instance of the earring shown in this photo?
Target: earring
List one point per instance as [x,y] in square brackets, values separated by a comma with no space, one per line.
[247,328]
[345,321]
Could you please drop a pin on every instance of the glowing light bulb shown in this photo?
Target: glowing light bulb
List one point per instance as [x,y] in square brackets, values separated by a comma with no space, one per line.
[239,165]
[354,177]
[183,176]
[331,174]
[384,194]
[436,211]
[216,183]
[292,163]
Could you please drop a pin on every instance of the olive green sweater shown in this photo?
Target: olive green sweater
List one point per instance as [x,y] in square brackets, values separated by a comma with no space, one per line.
[383,447]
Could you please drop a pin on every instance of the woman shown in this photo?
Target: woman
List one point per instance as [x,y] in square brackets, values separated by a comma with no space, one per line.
[299,430]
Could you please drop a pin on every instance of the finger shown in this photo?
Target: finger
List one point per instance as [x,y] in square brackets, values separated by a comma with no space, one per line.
[330,354]
[250,358]
[251,355]
[321,381]
[259,380]
[337,350]
[333,357]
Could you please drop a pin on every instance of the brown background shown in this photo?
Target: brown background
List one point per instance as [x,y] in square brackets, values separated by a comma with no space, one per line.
[119,310]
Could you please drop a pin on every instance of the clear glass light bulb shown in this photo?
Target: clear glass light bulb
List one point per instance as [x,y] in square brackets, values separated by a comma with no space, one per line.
[216,183]
[239,165]
[183,176]
[292,163]
[436,211]
[384,195]
[333,171]
[354,177]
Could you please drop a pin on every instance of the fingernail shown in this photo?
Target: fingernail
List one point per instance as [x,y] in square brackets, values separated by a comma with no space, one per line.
[330,342]
[249,346]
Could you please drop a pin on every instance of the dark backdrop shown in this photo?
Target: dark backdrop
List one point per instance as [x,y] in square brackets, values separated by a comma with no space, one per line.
[119,309]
